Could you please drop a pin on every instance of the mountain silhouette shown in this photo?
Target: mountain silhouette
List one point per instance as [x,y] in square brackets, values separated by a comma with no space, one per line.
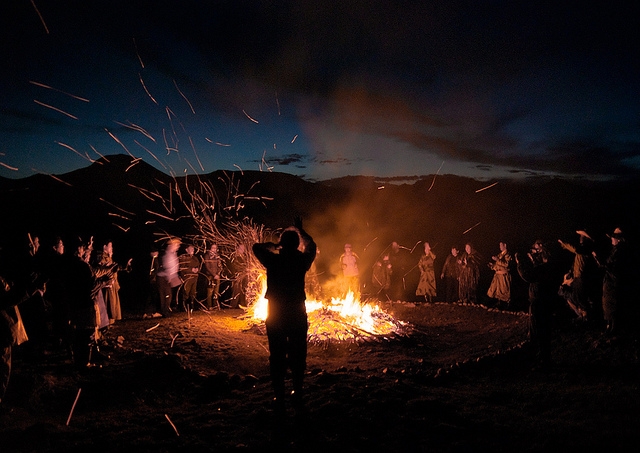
[132,203]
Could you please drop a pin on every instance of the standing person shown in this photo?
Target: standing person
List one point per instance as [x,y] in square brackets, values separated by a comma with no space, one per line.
[212,269]
[189,269]
[427,283]
[56,294]
[581,291]
[80,283]
[397,259]
[450,275]
[12,331]
[168,277]
[535,268]
[615,281]
[111,292]
[381,278]
[500,287]
[469,264]
[286,322]
[153,306]
[350,273]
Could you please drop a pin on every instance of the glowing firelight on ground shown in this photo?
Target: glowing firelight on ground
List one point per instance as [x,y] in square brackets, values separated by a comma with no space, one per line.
[343,319]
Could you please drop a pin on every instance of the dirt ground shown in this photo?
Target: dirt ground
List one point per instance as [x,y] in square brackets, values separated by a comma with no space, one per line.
[460,379]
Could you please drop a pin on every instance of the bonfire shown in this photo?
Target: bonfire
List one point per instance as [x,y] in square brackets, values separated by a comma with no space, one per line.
[344,318]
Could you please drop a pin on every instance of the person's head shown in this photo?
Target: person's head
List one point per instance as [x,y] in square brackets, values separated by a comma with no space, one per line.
[213,249]
[616,236]
[173,245]
[503,246]
[454,250]
[289,240]
[189,249]
[468,247]
[540,252]
[58,246]
[394,246]
[81,248]
[427,247]
[583,237]
[347,249]
[108,248]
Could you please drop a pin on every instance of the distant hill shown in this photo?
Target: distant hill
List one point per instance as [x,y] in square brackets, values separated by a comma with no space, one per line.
[126,200]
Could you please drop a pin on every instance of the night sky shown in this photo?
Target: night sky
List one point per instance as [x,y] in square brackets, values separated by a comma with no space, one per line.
[323,89]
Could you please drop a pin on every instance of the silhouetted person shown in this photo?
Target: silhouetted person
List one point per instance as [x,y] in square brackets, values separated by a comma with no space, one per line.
[615,282]
[469,262]
[398,261]
[286,320]
[450,275]
[535,268]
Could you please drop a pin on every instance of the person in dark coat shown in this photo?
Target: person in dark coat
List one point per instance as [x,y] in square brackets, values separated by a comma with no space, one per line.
[286,322]
[615,282]
[469,262]
[536,269]
[450,274]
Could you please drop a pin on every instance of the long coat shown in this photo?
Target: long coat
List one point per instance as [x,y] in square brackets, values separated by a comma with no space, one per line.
[427,283]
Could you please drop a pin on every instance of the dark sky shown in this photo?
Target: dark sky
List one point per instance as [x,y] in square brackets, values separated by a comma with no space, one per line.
[486,89]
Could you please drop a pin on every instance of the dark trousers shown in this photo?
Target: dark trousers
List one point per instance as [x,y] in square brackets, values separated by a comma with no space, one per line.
[287,348]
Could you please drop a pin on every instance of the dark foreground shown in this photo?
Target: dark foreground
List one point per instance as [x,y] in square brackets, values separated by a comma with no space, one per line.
[462,380]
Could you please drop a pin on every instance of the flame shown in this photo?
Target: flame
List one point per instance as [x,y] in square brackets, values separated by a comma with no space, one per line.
[344,318]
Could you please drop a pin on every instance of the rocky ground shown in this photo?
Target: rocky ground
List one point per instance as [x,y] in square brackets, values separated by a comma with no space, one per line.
[459,379]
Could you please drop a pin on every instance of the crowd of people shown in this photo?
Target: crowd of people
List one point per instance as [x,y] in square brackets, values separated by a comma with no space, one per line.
[595,289]
[65,300]
[53,299]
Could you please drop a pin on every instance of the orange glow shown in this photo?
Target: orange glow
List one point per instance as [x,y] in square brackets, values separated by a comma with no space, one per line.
[343,319]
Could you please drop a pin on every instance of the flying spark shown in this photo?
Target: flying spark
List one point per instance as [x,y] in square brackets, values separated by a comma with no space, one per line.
[247,115]
[488,187]
[184,97]
[59,91]
[147,91]
[46,29]
[54,108]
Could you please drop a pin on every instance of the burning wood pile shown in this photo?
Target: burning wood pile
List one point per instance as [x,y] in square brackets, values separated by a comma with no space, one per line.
[346,320]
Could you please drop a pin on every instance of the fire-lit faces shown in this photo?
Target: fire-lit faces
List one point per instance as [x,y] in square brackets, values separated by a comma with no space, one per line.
[213,250]
[454,251]
[190,250]
[59,247]
[503,246]
[108,248]
[467,248]
[427,248]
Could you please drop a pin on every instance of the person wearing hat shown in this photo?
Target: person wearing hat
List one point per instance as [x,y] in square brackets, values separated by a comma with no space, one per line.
[581,294]
[536,269]
[615,281]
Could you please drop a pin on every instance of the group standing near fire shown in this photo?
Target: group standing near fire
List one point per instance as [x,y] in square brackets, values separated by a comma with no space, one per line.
[78,293]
